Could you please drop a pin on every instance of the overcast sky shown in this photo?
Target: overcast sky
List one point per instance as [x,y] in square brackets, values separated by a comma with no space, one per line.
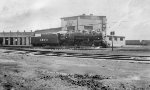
[130,18]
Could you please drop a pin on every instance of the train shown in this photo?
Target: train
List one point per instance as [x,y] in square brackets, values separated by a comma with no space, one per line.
[69,39]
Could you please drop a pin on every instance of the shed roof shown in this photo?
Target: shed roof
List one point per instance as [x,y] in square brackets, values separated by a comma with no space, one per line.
[16,34]
[50,30]
[84,17]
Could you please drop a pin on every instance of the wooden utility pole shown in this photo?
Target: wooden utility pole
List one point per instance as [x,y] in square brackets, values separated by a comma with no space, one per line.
[77,23]
[112,33]
[112,43]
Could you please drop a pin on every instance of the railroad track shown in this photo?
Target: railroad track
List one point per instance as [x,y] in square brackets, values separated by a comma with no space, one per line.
[77,55]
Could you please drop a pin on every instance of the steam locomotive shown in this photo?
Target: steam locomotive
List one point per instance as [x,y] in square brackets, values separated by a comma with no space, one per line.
[69,39]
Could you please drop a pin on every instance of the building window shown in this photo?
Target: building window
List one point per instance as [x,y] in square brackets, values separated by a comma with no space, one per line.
[71,28]
[104,25]
[110,38]
[121,39]
[115,38]
[46,39]
[88,27]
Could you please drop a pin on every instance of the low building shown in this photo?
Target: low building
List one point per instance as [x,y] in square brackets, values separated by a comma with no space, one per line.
[16,38]
[118,41]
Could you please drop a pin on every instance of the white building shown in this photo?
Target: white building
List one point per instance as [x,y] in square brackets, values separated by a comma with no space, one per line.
[118,41]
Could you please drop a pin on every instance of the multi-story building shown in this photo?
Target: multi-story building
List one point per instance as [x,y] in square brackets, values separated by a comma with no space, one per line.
[84,23]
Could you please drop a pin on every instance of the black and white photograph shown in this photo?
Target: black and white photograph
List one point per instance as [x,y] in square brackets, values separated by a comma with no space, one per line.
[74,44]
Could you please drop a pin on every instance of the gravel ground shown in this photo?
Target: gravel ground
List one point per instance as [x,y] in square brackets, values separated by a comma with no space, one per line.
[24,70]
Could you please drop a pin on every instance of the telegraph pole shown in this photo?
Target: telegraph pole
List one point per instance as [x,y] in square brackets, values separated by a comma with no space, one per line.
[112,43]
[77,23]
[112,33]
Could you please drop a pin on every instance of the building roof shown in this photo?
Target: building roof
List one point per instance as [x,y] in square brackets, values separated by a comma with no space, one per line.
[50,30]
[115,36]
[91,16]
[16,34]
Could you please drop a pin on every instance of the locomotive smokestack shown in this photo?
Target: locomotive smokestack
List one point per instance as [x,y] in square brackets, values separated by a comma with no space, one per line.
[91,14]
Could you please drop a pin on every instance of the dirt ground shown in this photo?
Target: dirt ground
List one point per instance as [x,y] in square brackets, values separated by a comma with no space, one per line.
[122,69]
